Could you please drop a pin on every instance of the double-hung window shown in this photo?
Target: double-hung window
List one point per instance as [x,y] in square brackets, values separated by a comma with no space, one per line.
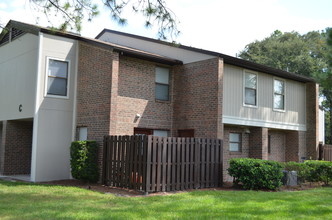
[57,81]
[162,84]
[250,89]
[279,95]
[235,142]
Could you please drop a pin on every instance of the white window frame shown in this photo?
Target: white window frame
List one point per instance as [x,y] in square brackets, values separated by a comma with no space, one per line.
[158,83]
[284,81]
[244,89]
[46,78]
[239,143]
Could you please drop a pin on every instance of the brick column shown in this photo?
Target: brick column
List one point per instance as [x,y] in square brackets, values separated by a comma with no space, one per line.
[114,94]
[312,133]
[2,145]
[198,97]
[258,143]
[95,92]
[295,146]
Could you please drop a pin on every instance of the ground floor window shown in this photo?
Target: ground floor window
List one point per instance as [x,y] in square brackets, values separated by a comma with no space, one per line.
[235,142]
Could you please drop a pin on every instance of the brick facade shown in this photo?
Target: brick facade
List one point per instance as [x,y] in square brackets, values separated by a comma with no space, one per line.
[198,98]
[227,155]
[16,147]
[277,144]
[136,95]
[258,143]
[94,91]
[124,87]
[295,146]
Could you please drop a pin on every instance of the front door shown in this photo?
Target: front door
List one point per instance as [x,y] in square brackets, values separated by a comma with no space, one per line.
[186,133]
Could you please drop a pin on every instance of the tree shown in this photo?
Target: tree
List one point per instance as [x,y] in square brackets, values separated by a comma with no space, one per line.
[307,54]
[292,52]
[73,12]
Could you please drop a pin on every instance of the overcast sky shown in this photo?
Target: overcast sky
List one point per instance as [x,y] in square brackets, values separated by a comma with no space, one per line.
[224,26]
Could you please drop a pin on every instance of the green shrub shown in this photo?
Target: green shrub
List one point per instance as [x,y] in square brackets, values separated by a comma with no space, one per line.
[256,173]
[319,170]
[83,162]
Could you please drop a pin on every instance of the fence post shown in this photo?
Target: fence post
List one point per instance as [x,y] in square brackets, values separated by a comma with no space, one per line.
[197,163]
[104,161]
[320,151]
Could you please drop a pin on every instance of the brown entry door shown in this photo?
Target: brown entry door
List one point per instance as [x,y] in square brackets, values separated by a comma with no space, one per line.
[186,133]
[142,131]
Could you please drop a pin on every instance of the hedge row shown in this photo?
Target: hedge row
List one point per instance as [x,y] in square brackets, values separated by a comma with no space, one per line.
[312,170]
[265,174]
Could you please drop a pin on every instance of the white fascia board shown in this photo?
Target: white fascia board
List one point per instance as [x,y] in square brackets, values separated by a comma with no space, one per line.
[262,123]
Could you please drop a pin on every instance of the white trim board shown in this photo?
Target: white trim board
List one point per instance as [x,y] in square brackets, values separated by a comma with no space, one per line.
[262,123]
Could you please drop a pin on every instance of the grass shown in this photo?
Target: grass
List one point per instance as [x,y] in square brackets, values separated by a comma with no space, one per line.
[33,201]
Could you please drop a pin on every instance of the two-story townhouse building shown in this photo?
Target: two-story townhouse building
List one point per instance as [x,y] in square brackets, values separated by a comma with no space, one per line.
[58,87]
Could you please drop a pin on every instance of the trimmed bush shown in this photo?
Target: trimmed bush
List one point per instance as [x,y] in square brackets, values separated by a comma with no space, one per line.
[84,160]
[256,173]
[319,170]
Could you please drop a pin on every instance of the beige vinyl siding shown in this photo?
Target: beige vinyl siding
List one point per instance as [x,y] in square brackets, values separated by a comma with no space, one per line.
[51,158]
[234,110]
[18,71]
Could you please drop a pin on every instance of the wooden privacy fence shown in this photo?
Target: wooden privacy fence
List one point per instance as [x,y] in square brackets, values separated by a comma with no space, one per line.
[325,152]
[151,164]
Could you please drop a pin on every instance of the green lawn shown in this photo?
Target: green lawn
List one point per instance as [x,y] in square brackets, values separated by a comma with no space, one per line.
[31,201]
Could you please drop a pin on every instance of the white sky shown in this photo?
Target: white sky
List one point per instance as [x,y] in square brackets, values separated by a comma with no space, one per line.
[224,26]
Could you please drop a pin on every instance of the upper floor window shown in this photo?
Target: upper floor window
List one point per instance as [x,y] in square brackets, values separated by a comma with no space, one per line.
[162,84]
[279,95]
[250,89]
[57,81]
[235,142]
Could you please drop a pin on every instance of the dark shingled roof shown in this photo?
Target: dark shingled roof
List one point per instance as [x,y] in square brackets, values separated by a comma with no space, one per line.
[126,51]
[227,59]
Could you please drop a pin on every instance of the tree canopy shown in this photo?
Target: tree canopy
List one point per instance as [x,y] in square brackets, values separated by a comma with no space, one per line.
[73,12]
[302,54]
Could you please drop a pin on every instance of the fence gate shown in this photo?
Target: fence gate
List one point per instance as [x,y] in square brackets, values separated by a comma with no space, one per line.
[150,163]
[325,152]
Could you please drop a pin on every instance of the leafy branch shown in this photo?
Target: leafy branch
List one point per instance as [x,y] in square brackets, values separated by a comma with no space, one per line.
[73,12]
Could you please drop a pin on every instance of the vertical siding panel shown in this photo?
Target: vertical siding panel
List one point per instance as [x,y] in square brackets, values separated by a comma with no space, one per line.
[233,96]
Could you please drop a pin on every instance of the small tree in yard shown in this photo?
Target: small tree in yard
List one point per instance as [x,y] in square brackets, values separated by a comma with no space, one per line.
[84,160]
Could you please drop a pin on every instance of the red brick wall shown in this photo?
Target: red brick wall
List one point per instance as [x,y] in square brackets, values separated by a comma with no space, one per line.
[2,145]
[312,133]
[278,143]
[94,91]
[198,98]
[16,148]
[258,143]
[295,145]
[136,95]
[228,154]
